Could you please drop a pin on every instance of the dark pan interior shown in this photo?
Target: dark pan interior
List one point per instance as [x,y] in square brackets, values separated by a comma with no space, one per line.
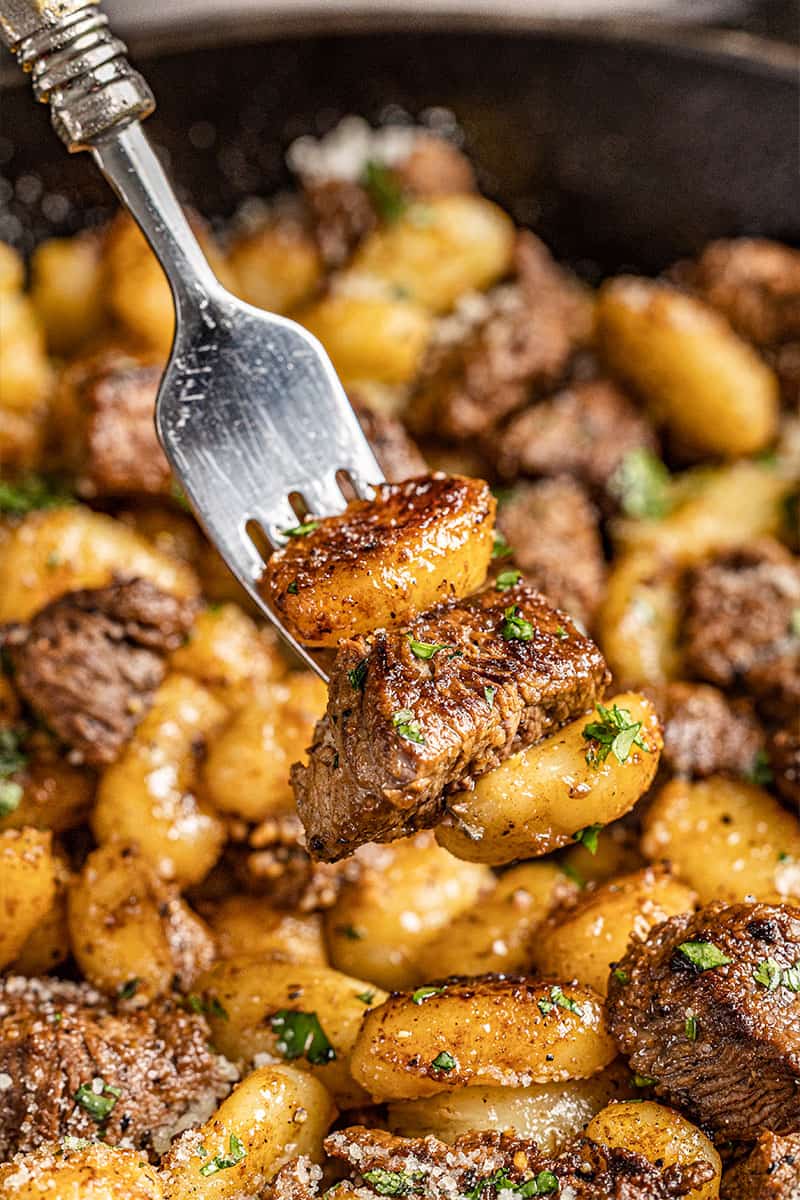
[619,152]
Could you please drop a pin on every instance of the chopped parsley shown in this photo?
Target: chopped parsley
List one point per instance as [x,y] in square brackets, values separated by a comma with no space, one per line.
[407,726]
[444,1061]
[425,649]
[500,547]
[384,190]
[561,633]
[129,989]
[30,493]
[641,483]
[588,837]
[691,1028]
[390,1183]
[97,1098]
[365,997]
[358,675]
[704,955]
[10,796]
[211,1007]
[543,1184]
[643,1081]
[301,530]
[617,733]
[771,975]
[300,1035]
[221,1162]
[424,993]
[489,694]
[507,579]
[515,627]
[558,1000]
[292,588]
[12,760]
[620,975]
[760,772]
[179,496]
[570,872]
[350,932]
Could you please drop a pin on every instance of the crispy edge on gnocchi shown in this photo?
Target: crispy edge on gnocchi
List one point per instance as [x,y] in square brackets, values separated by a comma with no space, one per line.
[417,543]
[84,1171]
[495,1030]
[540,799]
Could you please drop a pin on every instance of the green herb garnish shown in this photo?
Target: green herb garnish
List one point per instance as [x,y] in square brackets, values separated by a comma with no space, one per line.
[424,993]
[129,989]
[641,483]
[292,588]
[407,726]
[588,837]
[10,796]
[620,975]
[444,1061]
[515,627]
[507,579]
[543,1184]
[760,772]
[300,1035]
[425,649]
[704,955]
[616,733]
[500,547]
[221,1162]
[30,493]
[389,1183]
[643,1081]
[350,932]
[489,694]
[384,190]
[99,1104]
[365,997]
[558,1000]
[691,1028]
[358,675]
[561,633]
[771,975]
[301,530]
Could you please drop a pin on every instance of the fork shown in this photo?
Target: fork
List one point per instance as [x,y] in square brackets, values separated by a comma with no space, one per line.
[250,413]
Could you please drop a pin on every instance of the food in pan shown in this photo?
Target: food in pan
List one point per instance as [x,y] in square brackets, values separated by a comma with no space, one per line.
[512,907]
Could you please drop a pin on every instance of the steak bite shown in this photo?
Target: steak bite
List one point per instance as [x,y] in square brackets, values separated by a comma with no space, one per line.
[497,347]
[552,528]
[398,456]
[770,1172]
[707,1007]
[740,625]
[706,733]
[784,760]
[89,662]
[486,1164]
[74,1064]
[587,430]
[417,713]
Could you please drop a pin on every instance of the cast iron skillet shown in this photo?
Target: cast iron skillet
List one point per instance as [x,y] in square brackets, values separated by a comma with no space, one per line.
[621,151]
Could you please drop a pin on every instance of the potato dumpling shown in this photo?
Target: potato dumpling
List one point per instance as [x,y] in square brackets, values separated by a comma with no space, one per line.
[272,1116]
[402,896]
[492,1031]
[127,924]
[417,543]
[249,926]
[542,798]
[47,945]
[276,267]
[227,651]
[639,618]
[369,334]
[709,387]
[584,940]
[53,794]
[25,373]
[551,1114]
[302,1013]
[726,838]
[67,285]
[439,248]
[83,1171]
[498,931]
[660,1135]
[58,550]
[246,772]
[27,887]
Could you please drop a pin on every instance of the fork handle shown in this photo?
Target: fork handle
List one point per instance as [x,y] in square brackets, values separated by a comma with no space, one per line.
[96,102]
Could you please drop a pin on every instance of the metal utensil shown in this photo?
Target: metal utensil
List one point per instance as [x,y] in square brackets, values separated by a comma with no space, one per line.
[250,412]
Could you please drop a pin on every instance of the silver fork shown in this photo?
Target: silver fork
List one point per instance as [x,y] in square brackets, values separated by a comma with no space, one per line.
[250,412]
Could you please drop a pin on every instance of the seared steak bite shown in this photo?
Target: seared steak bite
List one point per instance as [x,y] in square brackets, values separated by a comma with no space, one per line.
[770,1172]
[89,662]
[416,713]
[784,760]
[706,733]
[486,1164]
[271,860]
[740,624]
[499,346]
[397,454]
[552,528]
[587,430]
[707,1007]
[341,216]
[74,1064]
[754,282]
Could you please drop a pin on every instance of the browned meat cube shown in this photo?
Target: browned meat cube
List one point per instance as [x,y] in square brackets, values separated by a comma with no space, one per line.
[397,455]
[104,415]
[707,1007]
[784,760]
[754,282]
[741,624]
[89,663]
[770,1172]
[342,215]
[79,1064]
[706,733]
[270,859]
[586,430]
[499,347]
[487,1164]
[416,713]
[552,528]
